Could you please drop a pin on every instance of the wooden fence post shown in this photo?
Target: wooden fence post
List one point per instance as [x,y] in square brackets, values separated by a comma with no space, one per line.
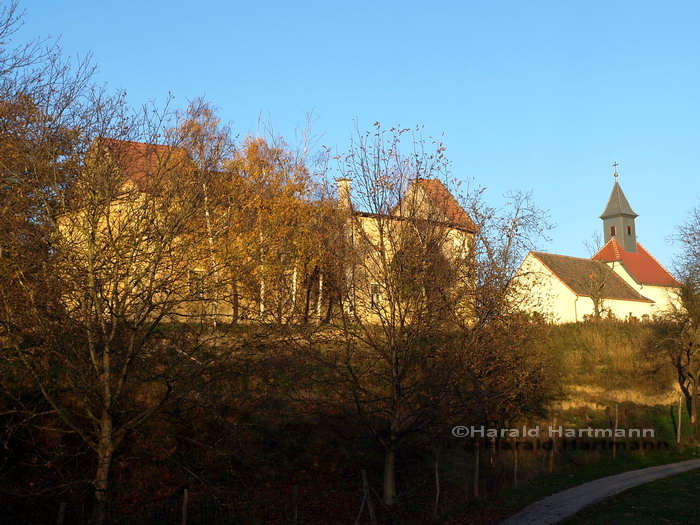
[615,432]
[437,485]
[476,470]
[680,415]
[368,492]
[61,513]
[515,462]
[295,503]
[185,498]
[553,450]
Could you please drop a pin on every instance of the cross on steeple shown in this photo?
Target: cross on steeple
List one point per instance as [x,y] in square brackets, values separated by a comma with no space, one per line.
[615,165]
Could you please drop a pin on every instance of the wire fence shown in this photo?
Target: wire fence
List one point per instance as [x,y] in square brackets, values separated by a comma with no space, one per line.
[426,489]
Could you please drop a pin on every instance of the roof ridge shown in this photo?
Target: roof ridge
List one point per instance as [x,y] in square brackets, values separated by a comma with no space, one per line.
[615,247]
[617,193]
[568,256]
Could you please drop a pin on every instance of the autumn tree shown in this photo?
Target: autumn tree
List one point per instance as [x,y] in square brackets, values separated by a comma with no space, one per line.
[275,229]
[209,144]
[41,108]
[99,327]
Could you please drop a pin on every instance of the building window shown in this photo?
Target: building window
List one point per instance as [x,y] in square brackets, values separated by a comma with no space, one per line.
[196,279]
[612,231]
[629,230]
[375,291]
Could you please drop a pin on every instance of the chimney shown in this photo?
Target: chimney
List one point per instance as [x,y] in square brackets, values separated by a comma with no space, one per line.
[344,202]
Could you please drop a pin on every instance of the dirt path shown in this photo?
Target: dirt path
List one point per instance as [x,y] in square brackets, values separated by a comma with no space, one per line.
[556,507]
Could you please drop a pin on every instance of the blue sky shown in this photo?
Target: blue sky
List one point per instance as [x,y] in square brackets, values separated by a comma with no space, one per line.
[530,95]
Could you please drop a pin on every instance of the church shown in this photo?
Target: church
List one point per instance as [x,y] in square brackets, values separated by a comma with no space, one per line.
[622,280]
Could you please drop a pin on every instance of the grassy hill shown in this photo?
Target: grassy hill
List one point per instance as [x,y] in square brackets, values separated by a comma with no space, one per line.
[611,362]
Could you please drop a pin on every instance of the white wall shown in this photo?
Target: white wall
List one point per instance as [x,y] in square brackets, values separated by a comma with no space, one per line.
[542,291]
[665,299]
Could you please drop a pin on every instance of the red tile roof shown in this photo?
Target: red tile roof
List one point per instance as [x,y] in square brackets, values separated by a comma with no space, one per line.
[446,202]
[641,265]
[138,160]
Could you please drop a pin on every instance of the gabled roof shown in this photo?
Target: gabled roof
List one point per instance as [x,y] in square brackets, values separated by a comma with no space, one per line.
[443,207]
[444,201]
[138,160]
[617,204]
[641,265]
[586,277]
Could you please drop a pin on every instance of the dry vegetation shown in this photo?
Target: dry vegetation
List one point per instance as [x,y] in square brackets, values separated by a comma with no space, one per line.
[612,358]
[220,323]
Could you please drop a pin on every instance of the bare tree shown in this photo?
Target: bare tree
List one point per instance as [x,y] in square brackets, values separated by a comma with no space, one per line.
[679,330]
[421,292]
[595,282]
[505,369]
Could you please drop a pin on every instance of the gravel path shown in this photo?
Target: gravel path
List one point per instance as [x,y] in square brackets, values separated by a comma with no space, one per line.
[556,507]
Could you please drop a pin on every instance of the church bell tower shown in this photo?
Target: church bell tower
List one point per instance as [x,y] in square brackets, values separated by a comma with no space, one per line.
[619,219]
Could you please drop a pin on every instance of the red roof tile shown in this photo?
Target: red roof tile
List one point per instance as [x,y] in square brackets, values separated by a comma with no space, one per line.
[641,265]
[446,202]
[140,159]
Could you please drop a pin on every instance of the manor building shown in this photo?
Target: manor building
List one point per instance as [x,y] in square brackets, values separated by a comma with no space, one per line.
[326,260]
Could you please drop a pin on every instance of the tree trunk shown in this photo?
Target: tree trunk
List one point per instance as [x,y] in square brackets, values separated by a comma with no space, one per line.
[236,305]
[319,297]
[390,476]
[694,404]
[329,311]
[307,298]
[105,450]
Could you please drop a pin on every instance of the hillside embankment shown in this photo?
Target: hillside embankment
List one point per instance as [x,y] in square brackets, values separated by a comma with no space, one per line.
[610,362]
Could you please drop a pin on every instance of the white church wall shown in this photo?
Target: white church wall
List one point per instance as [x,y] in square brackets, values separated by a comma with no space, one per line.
[545,293]
[625,309]
[542,292]
[665,299]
